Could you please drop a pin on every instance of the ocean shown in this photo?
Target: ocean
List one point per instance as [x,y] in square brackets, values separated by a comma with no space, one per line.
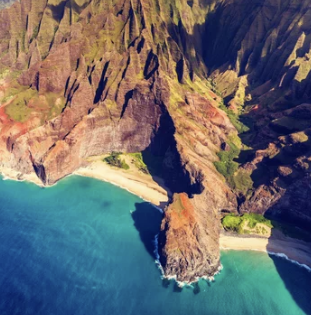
[87,247]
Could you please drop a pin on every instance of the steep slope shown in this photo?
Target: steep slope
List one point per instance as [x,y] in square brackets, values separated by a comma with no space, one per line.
[258,55]
[85,77]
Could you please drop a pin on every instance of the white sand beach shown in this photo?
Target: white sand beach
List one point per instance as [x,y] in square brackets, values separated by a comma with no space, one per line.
[296,250]
[133,180]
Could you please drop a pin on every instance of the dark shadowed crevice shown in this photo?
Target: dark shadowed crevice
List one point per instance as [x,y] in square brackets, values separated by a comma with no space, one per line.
[147,220]
[128,96]
[180,70]
[40,171]
[78,63]
[126,67]
[164,161]
[58,10]
[66,86]
[76,7]
[37,81]
[27,22]
[90,74]
[102,84]
[183,36]
[152,65]
[140,45]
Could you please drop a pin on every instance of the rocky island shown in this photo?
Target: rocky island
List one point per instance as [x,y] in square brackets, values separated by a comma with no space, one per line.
[215,95]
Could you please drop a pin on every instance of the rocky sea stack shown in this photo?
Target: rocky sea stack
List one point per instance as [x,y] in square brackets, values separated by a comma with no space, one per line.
[215,94]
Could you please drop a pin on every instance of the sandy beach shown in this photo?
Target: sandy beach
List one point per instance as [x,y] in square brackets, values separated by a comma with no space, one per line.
[132,180]
[296,250]
[8,173]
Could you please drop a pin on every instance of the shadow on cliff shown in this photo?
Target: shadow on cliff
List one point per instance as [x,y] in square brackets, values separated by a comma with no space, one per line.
[147,221]
[222,41]
[164,162]
[296,279]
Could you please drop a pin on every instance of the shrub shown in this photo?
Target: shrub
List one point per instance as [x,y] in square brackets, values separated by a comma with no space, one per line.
[226,166]
[231,222]
[114,160]
[227,169]
[254,218]
[139,162]
[241,181]
[236,223]
[234,118]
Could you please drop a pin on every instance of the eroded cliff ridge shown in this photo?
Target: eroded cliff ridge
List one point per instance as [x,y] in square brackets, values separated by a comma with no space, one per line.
[81,78]
[260,61]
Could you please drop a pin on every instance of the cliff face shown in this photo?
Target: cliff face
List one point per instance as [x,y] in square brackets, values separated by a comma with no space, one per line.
[80,78]
[258,55]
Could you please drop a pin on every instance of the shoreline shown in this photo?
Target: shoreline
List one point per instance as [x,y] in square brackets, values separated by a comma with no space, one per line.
[294,250]
[137,183]
[144,186]
[10,174]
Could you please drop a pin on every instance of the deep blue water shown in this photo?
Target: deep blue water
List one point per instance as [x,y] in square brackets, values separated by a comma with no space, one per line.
[85,247]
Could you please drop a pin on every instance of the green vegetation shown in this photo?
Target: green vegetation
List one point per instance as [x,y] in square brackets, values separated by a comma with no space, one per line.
[234,118]
[241,181]
[34,33]
[238,179]
[231,222]
[250,223]
[114,160]
[56,104]
[18,109]
[226,166]
[139,162]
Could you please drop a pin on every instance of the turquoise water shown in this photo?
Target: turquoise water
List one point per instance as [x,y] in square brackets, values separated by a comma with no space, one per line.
[76,248]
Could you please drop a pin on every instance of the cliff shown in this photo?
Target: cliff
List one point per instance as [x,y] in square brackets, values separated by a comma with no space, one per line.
[260,62]
[80,78]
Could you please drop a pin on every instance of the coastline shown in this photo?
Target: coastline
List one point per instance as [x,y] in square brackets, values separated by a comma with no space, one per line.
[291,249]
[145,187]
[10,174]
[134,181]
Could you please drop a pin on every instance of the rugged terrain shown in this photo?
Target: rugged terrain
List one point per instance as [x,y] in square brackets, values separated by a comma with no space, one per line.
[81,78]
[260,61]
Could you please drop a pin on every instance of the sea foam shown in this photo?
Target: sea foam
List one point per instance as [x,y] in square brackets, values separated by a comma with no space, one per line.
[281,255]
